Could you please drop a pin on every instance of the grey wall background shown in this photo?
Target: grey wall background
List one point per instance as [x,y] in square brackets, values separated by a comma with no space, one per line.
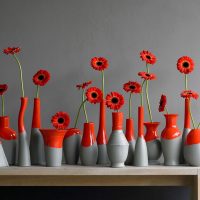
[62,36]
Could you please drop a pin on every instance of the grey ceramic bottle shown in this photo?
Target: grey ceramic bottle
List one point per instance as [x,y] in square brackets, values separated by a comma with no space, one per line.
[117,145]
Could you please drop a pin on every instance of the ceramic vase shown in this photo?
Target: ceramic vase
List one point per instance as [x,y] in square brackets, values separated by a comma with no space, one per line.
[153,142]
[117,145]
[3,159]
[186,129]
[36,142]
[71,146]
[102,139]
[131,140]
[88,148]
[8,138]
[171,140]
[23,146]
[192,147]
[53,143]
[141,153]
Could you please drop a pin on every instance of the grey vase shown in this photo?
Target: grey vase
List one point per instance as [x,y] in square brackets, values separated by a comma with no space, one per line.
[71,146]
[3,159]
[118,145]
[10,150]
[171,140]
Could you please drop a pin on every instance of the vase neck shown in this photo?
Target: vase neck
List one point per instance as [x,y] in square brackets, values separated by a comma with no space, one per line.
[151,130]
[36,121]
[140,121]
[21,126]
[117,121]
[129,129]
[171,120]
[187,113]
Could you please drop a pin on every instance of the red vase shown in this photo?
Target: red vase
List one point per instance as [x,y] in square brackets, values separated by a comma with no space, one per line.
[171,140]
[23,147]
[152,140]
[88,149]
[140,121]
[36,142]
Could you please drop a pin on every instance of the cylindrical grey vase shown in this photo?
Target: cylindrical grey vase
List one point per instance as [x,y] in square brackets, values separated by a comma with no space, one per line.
[141,154]
[118,145]
[37,147]
[131,153]
[71,147]
[102,155]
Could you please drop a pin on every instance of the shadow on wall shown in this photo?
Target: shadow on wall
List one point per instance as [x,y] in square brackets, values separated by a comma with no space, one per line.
[95,193]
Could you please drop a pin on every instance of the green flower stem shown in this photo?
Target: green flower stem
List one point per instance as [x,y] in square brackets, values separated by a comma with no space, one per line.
[147,68]
[129,110]
[166,110]
[193,122]
[77,115]
[2,104]
[141,94]
[186,82]
[103,82]
[84,108]
[37,91]
[148,103]
[21,74]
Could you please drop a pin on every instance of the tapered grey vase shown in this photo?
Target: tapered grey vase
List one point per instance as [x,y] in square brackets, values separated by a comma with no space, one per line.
[71,146]
[3,159]
[141,153]
[171,140]
[117,146]
[36,142]
[88,148]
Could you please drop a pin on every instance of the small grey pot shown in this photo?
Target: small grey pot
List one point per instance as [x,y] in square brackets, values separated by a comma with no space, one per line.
[154,150]
[3,159]
[37,147]
[23,151]
[117,148]
[10,150]
[192,154]
[131,152]
[171,150]
[141,154]
[53,156]
[89,155]
[71,147]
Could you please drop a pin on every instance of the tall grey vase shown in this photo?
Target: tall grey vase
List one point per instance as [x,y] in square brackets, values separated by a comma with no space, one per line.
[117,146]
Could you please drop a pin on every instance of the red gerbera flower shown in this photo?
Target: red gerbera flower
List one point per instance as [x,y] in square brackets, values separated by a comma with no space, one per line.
[133,87]
[94,95]
[11,50]
[185,65]
[83,85]
[114,100]
[41,77]
[60,120]
[3,88]
[99,63]
[148,57]
[189,94]
[162,104]
[147,76]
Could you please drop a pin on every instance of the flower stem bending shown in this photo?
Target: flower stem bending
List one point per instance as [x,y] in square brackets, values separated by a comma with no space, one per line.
[2,104]
[186,82]
[193,122]
[77,116]
[148,103]
[130,108]
[102,73]
[141,94]
[37,91]
[84,108]
[21,74]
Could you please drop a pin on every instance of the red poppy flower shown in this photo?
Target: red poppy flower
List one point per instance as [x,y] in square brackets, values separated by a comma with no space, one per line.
[148,57]
[83,85]
[3,88]
[11,50]
[114,100]
[147,76]
[41,77]
[185,65]
[99,63]
[60,120]
[189,94]
[133,87]
[94,95]
[162,104]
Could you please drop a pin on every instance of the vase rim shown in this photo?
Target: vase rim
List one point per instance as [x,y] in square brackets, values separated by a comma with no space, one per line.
[171,114]
[5,116]
[52,130]
[88,123]
[155,123]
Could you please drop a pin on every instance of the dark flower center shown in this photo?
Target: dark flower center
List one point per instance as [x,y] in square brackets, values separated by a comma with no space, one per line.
[132,87]
[189,92]
[115,100]
[148,75]
[99,63]
[148,57]
[94,95]
[185,64]
[41,77]
[1,89]
[61,120]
